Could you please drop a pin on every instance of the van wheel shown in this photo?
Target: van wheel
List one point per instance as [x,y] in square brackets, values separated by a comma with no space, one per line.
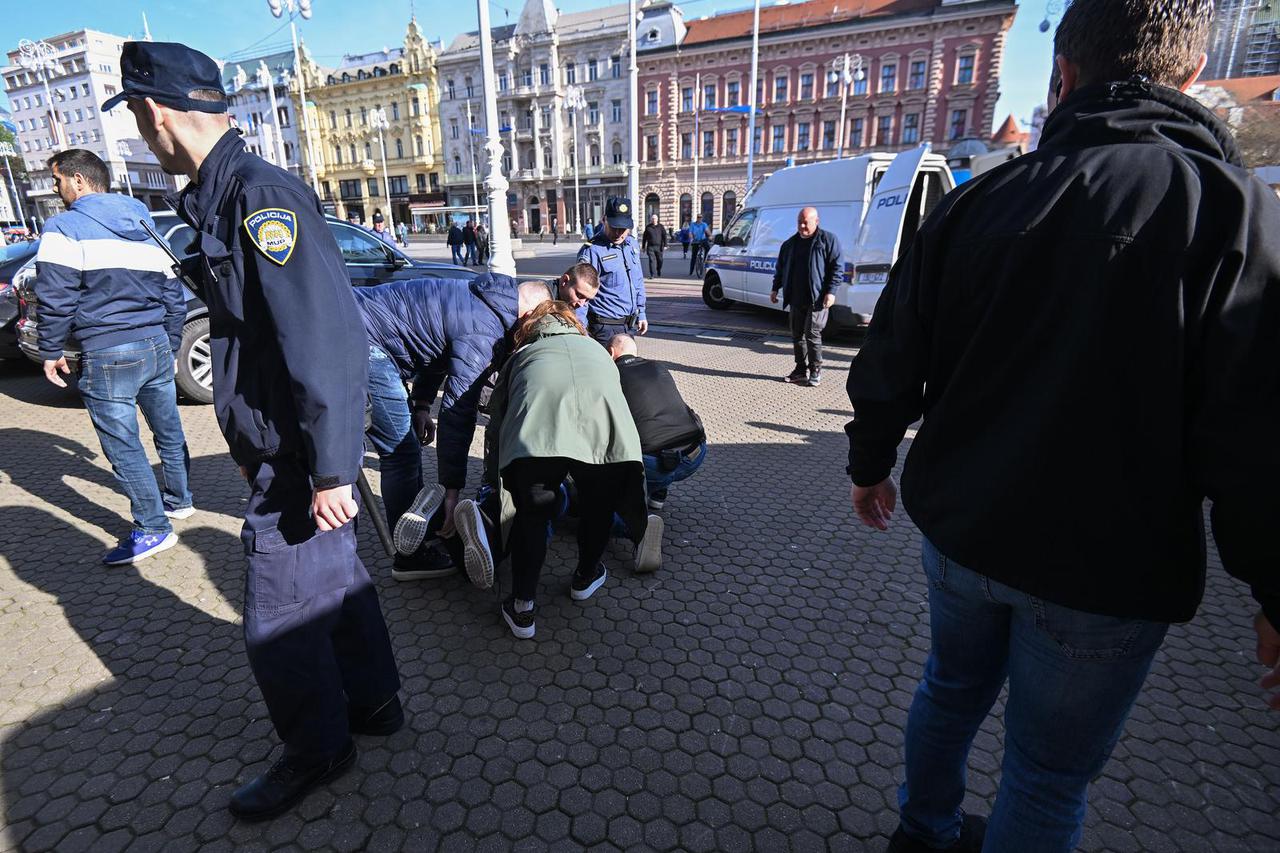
[195,363]
[713,293]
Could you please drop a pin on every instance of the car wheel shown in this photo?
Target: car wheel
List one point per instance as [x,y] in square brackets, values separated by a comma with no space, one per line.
[195,362]
[713,293]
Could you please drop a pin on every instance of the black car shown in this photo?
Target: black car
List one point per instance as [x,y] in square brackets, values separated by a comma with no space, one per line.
[369,261]
[12,258]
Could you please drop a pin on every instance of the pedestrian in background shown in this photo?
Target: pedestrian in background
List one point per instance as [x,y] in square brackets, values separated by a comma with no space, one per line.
[1091,325]
[402,231]
[381,231]
[683,234]
[454,241]
[290,381]
[587,232]
[619,307]
[807,272]
[102,281]
[654,243]
[555,231]
[469,241]
[482,244]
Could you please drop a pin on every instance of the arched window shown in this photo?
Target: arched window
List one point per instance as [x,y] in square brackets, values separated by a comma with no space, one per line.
[399,148]
[686,209]
[394,69]
[708,208]
[368,151]
[352,149]
[337,154]
[457,165]
[617,152]
[595,155]
[652,205]
[417,145]
[729,206]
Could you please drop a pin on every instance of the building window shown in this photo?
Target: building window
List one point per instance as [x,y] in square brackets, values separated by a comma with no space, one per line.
[615,67]
[911,128]
[828,135]
[651,148]
[593,112]
[617,153]
[686,209]
[708,143]
[571,73]
[833,87]
[780,89]
[757,140]
[544,74]
[526,77]
[888,78]
[351,149]
[457,165]
[779,139]
[728,207]
[855,133]
[546,159]
[709,96]
[884,131]
[731,142]
[453,128]
[650,103]
[421,181]
[686,146]
[958,121]
[546,118]
[373,187]
[349,189]
[615,108]
[471,89]
[802,136]
[760,91]
[916,78]
[595,155]
[860,86]
[733,93]
[347,115]
[806,86]
[503,81]
[399,185]
[368,151]
[964,70]
[395,111]
[448,85]
[708,208]
[399,149]
[686,99]
[593,70]
[337,154]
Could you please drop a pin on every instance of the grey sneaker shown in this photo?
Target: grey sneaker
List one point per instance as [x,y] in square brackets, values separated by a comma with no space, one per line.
[473,531]
[411,528]
[815,378]
[649,551]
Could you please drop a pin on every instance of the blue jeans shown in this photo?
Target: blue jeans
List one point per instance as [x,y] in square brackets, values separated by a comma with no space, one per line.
[1073,677]
[657,480]
[457,253]
[471,253]
[117,381]
[399,451]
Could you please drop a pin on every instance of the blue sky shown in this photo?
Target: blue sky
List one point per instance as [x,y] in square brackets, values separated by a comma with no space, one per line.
[224,27]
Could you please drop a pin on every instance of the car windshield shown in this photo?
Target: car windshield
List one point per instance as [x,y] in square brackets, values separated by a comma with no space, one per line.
[358,246]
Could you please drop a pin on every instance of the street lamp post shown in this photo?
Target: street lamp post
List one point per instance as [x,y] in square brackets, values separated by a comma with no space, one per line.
[633,180]
[751,95]
[500,260]
[6,151]
[303,8]
[844,70]
[277,146]
[577,102]
[125,152]
[38,56]
[471,147]
[378,121]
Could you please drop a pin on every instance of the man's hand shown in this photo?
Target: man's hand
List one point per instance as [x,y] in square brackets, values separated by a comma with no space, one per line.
[450,503]
[874,505]
[773,296]
[332,508]
[828,301]
[642,327]
[1269,655]
[51,368]
[423,427]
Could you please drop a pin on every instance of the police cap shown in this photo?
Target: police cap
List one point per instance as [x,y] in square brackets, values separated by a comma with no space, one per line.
[617,212]
[167,73]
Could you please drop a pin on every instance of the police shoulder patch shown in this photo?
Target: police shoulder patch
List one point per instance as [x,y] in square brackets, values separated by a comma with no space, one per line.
[274,230]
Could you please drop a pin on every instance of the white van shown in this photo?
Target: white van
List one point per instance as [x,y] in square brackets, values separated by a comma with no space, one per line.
[873,203]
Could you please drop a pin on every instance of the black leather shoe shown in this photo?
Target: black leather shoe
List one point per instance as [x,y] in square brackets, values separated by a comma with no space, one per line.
[973,830]
[287,782]
[383,720]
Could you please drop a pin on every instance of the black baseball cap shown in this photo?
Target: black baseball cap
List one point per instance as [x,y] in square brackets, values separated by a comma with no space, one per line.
[167,72]
[617,212]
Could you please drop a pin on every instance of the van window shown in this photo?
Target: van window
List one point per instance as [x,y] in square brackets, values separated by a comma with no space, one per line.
[925,195]
[774,225]
[739,231]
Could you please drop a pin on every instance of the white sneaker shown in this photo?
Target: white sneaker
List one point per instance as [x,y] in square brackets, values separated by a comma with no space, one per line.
[649,551]
[181,512]
[411,528]
[477,556]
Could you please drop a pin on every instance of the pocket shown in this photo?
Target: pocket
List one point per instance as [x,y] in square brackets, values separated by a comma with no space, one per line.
[123,378]
[1092,636]
[935,565]
[273,564]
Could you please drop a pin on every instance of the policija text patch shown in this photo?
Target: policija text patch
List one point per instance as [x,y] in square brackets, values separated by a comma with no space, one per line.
[274,231]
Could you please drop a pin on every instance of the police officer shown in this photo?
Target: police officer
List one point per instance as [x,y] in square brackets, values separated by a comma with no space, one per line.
[290,363]
[618,309]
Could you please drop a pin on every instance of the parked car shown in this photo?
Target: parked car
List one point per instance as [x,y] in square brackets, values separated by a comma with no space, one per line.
[369,261]
[12,258]
[873,203]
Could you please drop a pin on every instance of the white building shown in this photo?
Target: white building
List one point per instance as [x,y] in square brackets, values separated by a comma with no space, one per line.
[59,109]
[267,122]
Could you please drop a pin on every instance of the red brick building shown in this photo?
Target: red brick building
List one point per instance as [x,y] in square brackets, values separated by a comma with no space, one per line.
[930,72]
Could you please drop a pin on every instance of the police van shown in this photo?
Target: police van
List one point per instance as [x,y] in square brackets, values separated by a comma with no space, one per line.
[873,203]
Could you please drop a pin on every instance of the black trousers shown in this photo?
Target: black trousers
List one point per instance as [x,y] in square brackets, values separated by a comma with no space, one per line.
[655,262]
[806,336]
[313,627]
[535,489]
[605,332]
[698,248]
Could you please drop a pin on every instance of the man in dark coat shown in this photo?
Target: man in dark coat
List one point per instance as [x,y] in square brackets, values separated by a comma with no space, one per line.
[469,240]
[807,271]
[1089,332]
[654,243]
[455,242]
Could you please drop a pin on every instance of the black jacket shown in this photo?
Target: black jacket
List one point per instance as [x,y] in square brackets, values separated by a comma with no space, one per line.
[454,237]
[663,419]
[290,357]
[654,237]
[824,267]
[1091,334]
[444,331]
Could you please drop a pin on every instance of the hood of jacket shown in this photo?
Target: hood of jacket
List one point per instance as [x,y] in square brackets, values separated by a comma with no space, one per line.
[119,214]
[500,293]
[1138,112]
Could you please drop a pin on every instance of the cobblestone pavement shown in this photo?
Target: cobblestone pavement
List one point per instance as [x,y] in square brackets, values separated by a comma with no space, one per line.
[751,695]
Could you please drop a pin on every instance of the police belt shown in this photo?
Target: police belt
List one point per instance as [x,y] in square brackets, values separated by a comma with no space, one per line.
[594,319]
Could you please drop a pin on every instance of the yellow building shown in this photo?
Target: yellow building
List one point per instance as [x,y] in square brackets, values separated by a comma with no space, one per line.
[342,103]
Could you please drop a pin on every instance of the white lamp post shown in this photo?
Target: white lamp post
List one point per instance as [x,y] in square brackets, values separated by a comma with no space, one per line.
[6,151]
[475,169]
[751,95]
[38,56]
[125,152]
[577,102]
[303,8]
[378,121]
[844,70]
[633,179]
[500,260]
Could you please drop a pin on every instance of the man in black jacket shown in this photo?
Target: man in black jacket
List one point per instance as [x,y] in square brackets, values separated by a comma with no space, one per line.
[1090,333]
[654,243]
[807,271]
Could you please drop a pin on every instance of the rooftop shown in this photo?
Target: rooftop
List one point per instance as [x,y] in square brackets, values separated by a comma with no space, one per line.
[797,15]
[1246,89]
[568,25]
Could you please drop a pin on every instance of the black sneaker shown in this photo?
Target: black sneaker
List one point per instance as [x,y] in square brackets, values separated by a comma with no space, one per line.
[585,584]
[657,499]
[814,379]
[473,530]
[411,528]
[521,624]
[649,549]
[973,830]
[381,720]
[430,562]
[798,376]
[287,782]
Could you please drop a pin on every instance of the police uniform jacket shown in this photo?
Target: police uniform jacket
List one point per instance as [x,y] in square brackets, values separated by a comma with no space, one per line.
[621,293]
[290,356]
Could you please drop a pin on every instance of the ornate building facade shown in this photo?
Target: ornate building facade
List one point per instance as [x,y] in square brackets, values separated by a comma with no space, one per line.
[923,71]
[342,101]
[259,104]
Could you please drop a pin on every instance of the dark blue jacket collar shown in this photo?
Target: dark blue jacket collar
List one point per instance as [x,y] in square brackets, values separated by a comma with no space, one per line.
[201,197]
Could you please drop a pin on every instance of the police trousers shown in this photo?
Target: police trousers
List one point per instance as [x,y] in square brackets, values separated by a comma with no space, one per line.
[313,627]
[604,330]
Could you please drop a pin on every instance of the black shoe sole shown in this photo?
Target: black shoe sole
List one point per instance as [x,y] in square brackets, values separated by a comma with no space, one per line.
[346,763]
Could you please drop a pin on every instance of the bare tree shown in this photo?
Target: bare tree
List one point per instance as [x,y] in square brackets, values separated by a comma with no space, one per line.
[1258,135]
